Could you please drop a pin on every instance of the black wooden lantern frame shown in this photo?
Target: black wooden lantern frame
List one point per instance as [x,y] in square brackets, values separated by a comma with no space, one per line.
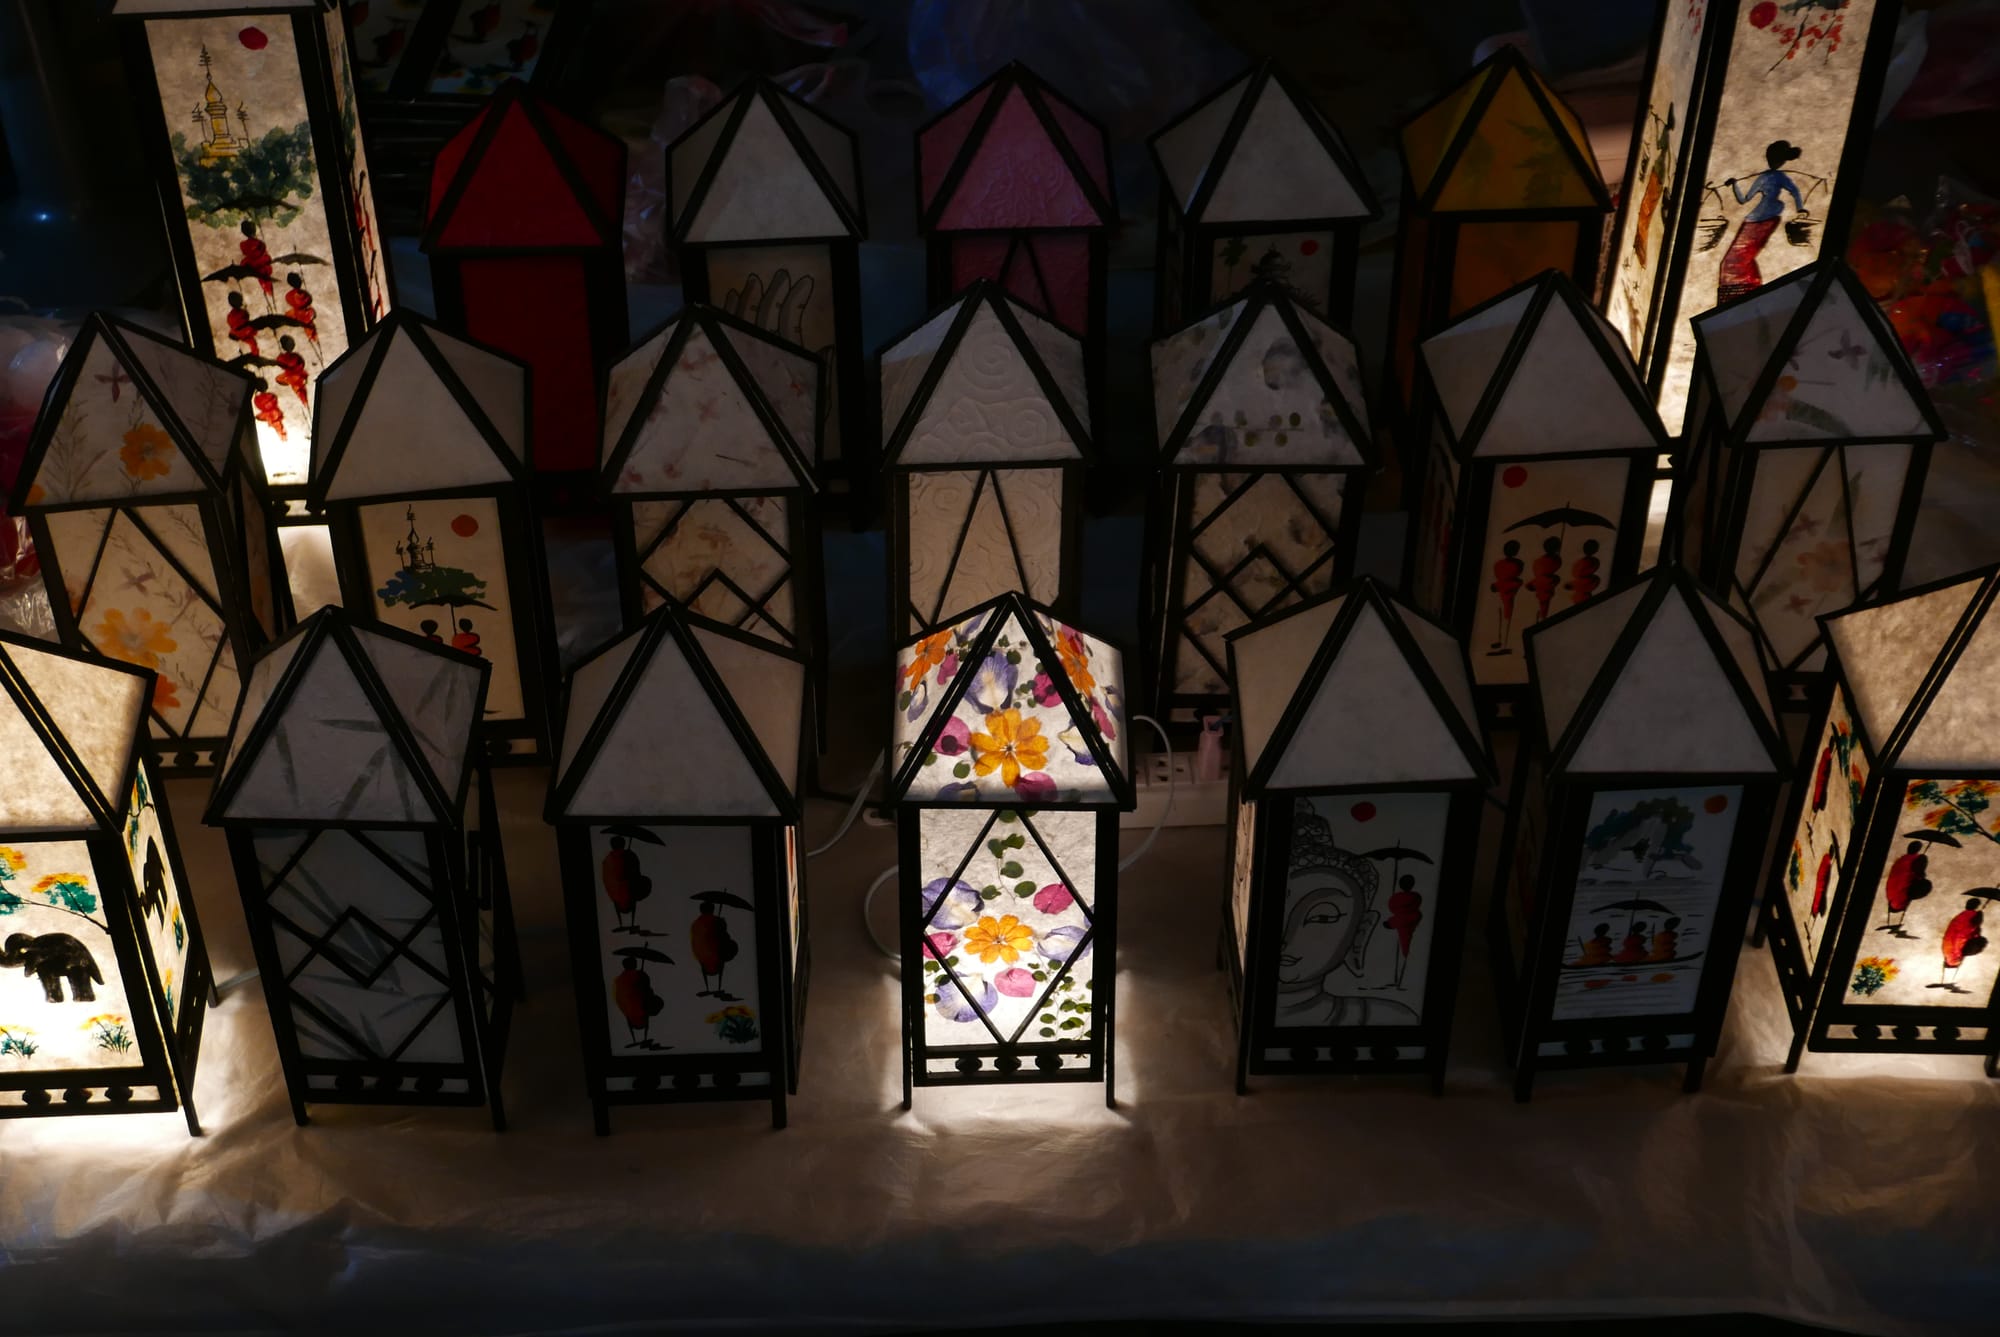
[465,894]
[1709,514]
[1554,803]
[165,1025]
[777,854]
[1263,1047]
[511,742]
[1184,272]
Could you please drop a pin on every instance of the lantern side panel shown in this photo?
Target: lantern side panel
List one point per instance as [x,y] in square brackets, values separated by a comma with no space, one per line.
[1823,848]
[436,568]
[1646,235]
[680,972]
[97,713]
[1925,944]
[1261,543]
[1273,410]
[1491,257]
[794,897]
[205,397]
[358,199]
[998,936]
[63,1003]
[537,308]
[1551,531]
[108,441]
[1430,558]
[1242,876]
[256,214]
[1301,260]
[1180,362]
[722,557]
[789,291]
[1355,942]
[1642,915]
[1810,569]
[768,692]
[1270,663]
[1519,893]
[1840,381]
[160,913]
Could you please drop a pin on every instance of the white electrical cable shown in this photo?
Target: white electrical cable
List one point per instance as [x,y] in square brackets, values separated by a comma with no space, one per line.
[854,809]
[868,924]
[1165,812]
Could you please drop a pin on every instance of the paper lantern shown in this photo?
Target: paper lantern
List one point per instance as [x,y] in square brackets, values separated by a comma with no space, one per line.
[523,231]
[1256,183]
[709,430]
[1014,185]
[1810,435]
[103,978]
[1747,151]
[1540,466]
[1879,901]
[149,510]
[987,422]
[1499,184]
[1357,793]
[767,216]
[366,843]
[1642,803]
[1008,769]
[676,808]
[420,464]
[1264,439]
[250,118]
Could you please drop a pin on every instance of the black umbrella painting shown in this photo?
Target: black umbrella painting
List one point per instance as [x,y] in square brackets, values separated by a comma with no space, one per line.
[1933,838]
[1561,519]
[1395,854]
[633,833]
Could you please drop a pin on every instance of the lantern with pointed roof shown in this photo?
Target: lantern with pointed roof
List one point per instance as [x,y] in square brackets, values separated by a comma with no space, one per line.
[1499,184]
[709,431]
[768,217]
[1264,441]
[1879,903]
[420,464]
[104,981]
[1008,768]
[987,422]
[1540,463]
[366,842]
[676,808]
[1357,793]
[1255,183]
[142,489]
[1810,435]
[523,232]
[1642,801]
[1757,117]
[1014,185]
[270,217]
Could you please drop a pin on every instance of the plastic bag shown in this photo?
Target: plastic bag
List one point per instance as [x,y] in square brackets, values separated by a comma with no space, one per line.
[31,348]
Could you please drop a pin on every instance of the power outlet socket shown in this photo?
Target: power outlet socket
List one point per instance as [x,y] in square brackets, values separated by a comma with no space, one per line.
[1196,803]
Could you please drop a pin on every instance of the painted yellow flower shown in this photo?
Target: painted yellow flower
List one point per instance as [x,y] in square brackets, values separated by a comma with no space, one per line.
[13,858]
[148,452]
[138,638]
[1010,745]
[1002,939]
[51,881]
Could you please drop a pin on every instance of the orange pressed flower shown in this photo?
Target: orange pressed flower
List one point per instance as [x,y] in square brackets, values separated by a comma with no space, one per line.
[1010,745]
[931,651]
[164,697]
[138,639]
[1069,649]
[148,452]
[1002,939]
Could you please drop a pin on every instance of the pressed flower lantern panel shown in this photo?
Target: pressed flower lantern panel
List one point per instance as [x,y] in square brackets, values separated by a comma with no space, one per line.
[103,978]
[1264,436]
[1811,437]
[1009,766]
[142,488]
[1746,159]
[1641,809]
[1014,186]
[676,808]
[1879,905]
[420,465]
[1538,474]
[254,129]
[365,840]
[1357,792]
[987,423]
[1257,184]
[1499,184]
[767,217]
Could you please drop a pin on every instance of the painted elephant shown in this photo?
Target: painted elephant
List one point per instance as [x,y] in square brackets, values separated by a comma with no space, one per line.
[55,957]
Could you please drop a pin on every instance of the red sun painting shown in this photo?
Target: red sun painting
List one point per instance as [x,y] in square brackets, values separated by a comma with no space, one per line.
[253,39]
[1716,802]
[1513,475]
[465,526]
[1362,812]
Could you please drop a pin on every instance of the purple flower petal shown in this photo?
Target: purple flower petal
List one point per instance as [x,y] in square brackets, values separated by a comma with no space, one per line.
[1060,941]
[961,904]
[966,789]
[954,1005]
[993,684]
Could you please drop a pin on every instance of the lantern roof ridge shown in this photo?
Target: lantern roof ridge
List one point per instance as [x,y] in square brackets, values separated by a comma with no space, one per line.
[345,722]
[961,168]
[987,658]
[763,141]
[1921,671]
[126,407]
[1196,155]
[983,352]
[521,148]
[70,723]
[1307,382]
[412,408]
[1520,125]
[709,716]
[759,393]
[1657,677]
[1354,688]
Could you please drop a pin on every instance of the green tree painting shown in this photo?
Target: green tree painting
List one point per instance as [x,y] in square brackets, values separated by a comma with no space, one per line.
[269,181]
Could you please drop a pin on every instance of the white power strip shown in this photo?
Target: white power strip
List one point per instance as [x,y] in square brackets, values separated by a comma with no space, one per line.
[1195,804]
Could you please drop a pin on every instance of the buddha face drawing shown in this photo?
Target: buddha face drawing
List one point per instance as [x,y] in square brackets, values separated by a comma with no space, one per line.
[1326,914]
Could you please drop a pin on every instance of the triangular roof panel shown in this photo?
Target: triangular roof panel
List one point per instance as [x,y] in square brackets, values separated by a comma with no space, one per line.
[523,175]
[1501,141]
[1284,163]
[80,711]
[210,399]
[759,176]
[1952,732]
[1886,651]
[1011,154]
